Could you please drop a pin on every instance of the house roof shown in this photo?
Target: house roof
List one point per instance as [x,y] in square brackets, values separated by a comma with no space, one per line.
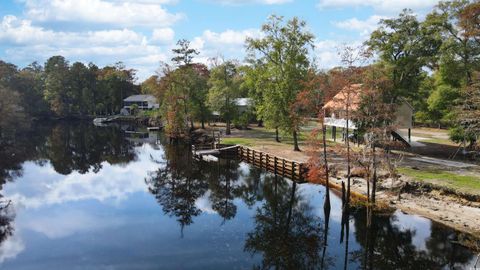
[339,101]
[351,93]
[243,101]
[137,98]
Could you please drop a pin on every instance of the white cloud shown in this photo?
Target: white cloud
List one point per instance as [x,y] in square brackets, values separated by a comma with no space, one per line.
[388,6]
[31,43]
[365,27]
[163,35]
[243,2]
[22,32]
[229,43]
[123,13]
[230,37]
[327,52]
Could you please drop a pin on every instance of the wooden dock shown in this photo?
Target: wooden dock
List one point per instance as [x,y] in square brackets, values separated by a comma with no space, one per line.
[287,168]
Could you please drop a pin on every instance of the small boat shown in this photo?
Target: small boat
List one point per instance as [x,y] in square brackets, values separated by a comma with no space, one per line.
[154,128]
[101,120]
[210,158]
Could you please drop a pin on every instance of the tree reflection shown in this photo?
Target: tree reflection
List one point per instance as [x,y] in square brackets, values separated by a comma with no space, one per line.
[83,147]
[224,188]
[177,184]
[69,147]
[6,218]
[18,145]
[286,232]
[386,245]
[251,190]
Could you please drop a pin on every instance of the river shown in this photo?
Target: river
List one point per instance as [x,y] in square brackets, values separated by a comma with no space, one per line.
[76,196]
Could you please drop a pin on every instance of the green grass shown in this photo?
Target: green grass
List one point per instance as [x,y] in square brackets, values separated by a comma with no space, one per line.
[241,141]
[463,183]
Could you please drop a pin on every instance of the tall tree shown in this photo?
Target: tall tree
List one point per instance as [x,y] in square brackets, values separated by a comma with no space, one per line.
[56,85]
[468,114]
[283,54]
[405,45]
[458,47]
[224,88]
[190,82]
[173,103]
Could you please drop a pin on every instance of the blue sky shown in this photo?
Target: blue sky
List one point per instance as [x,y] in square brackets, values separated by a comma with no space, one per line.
[141,33]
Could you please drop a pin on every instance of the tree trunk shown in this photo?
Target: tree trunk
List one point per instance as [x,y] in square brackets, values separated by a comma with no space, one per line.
[374,184]
[326,206]
[260,123]
[295,141]
[228,131]
[277,139]
[203,123]
[348,156]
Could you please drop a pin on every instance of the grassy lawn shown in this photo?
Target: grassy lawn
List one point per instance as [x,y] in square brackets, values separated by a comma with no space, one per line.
[241,141]
[463,183]
[263,136]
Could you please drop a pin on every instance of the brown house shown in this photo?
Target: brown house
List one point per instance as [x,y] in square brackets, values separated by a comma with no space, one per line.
[336,115]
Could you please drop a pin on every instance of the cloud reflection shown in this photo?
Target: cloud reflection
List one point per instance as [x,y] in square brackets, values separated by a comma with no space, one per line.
[41,186]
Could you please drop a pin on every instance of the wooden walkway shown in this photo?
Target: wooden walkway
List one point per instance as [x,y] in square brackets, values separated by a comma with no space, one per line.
[287,168]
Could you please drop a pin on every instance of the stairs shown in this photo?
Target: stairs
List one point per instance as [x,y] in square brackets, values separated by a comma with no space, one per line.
[401,138]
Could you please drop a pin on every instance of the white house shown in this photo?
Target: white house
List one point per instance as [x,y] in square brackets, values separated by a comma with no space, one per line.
[143,102]
[243,104]
[335,111]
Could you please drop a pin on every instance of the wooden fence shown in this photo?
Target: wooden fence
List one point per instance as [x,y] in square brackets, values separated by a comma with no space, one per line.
[280,166]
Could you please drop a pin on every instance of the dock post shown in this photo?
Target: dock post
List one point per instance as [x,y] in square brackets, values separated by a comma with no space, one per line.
[300,174]
[293,170]
[253,154]
[267,158]
[275,165]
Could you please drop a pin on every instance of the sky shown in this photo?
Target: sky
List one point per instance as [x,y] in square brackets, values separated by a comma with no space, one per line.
[141,33]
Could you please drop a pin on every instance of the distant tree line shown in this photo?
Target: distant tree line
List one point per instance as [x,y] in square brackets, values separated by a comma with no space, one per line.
[63,90]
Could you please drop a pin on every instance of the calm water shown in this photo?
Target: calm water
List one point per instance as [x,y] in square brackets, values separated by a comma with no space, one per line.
[85,197]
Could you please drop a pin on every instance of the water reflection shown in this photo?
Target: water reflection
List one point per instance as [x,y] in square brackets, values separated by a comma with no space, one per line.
[286,233]
[386,245]
[114,199]
[177,184]
[6,218]
[69,147]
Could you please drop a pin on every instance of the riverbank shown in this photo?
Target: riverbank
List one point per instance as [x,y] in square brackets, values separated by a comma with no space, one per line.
[438,203]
